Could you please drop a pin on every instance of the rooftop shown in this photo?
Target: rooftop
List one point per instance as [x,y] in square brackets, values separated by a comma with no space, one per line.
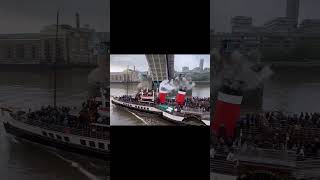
[20,36]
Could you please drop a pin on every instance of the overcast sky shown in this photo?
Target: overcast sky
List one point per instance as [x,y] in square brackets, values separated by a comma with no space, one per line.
[120,62]
[221,11]
[19,16]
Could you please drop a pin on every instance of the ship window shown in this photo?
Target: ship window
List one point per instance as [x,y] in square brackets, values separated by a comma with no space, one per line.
[66,139]
[44,133]
[51,135]
[147,108]
[59,137]
[92,144]
[83,142]
[101,145]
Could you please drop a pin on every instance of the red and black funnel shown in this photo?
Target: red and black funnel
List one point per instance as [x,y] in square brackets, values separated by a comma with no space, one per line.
[180,97]
[162,96]
[227,112]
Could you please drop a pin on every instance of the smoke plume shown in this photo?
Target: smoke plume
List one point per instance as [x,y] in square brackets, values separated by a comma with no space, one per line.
[179,83]
[145,82]
[98,77]
[99,74]
[237,72]
[167,86]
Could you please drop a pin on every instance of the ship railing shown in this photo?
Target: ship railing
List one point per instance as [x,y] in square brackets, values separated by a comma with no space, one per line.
[219,164]
[194,110]
[138,103]
[85,132]
[308,168]
[269,156]
[190,111]
[184,110]
[309,162]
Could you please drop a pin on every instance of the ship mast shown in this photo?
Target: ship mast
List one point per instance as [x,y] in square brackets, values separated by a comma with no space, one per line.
[127,79]
[55,64]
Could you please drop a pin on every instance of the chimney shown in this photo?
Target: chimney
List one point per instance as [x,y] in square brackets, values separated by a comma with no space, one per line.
[162,96]
[227,113]
[78,20]
[180,97]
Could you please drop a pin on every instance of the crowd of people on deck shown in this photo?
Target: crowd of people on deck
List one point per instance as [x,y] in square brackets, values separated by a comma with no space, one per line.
[191,103]
[299,133]
[128,98]
[53,115]
[89,113]
[61,115]
[272,119]
[198,103]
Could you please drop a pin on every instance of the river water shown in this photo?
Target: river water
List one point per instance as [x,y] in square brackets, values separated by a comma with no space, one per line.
[293,90]
[122,116]
[23,88]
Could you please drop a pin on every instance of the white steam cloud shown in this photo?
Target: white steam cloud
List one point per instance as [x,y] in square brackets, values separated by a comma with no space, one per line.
[99,74]
[237,72]
[179,83]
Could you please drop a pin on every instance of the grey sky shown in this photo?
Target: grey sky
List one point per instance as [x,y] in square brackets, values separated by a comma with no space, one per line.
[120,62]
[221,11]
[30,16]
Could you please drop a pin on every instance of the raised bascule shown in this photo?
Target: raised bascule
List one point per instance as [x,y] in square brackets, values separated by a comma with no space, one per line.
[161,67]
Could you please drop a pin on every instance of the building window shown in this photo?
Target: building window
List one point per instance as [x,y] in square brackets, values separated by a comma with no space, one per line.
[83,142]
[44,133]
[20,51]
[109,147]
[66,139]
[92,144]
[47,49]
[51,135]
[101,145]
[59,137]
[8,52]
[33,52]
